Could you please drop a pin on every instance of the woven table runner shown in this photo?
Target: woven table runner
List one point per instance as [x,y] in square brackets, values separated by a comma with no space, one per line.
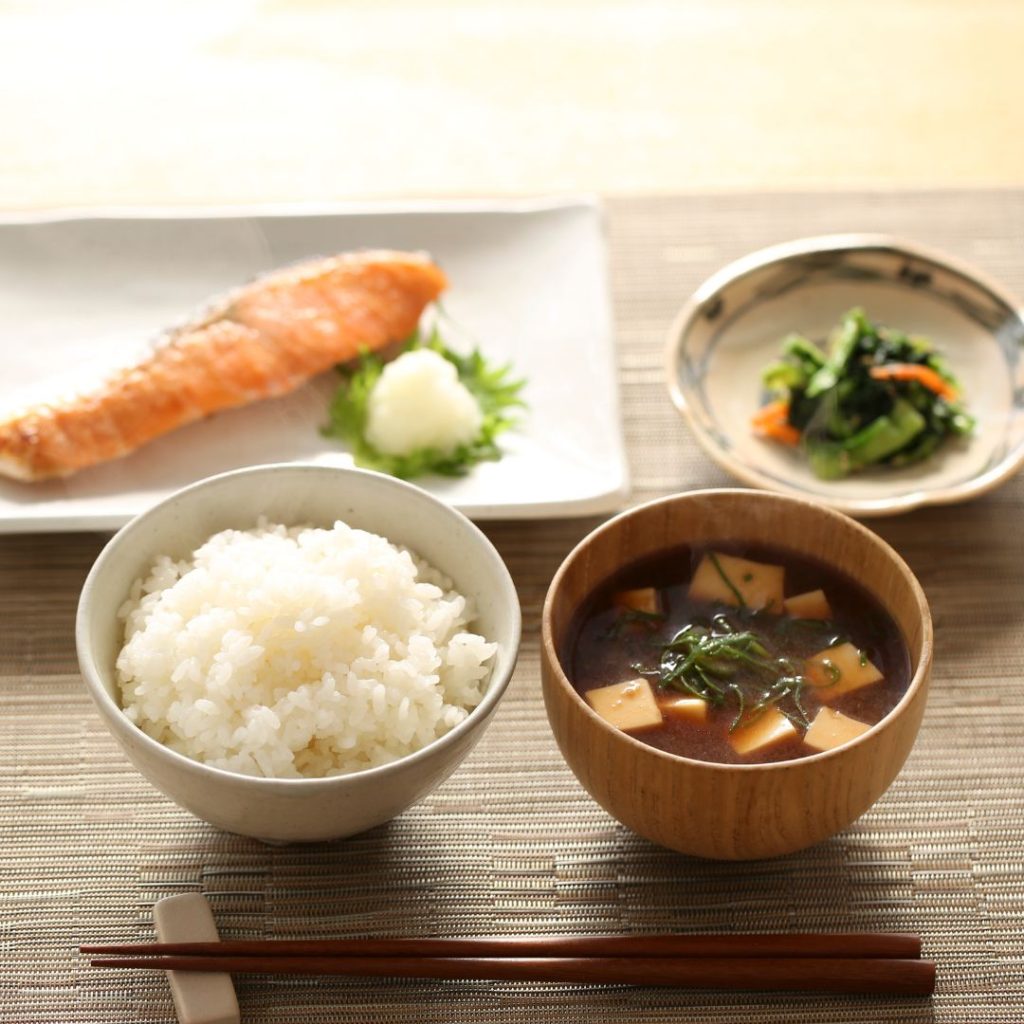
[511,843]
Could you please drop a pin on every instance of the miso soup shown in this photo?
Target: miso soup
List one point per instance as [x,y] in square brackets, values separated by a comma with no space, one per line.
[739,654]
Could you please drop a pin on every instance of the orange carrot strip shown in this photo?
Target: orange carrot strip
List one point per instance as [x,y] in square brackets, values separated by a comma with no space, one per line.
[772,412]
[924,375]
[785,433]
[772,420]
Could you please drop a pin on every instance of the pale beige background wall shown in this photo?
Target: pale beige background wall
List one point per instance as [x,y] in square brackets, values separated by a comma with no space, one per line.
[240,100]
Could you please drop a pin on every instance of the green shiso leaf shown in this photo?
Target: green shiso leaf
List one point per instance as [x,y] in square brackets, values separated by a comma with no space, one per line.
[496,391]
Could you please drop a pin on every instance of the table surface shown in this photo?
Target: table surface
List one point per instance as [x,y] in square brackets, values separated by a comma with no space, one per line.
[244,101]
[234,101]
[511,843]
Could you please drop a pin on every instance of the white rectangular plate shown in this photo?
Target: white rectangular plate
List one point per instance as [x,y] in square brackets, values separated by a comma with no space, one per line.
[528,283]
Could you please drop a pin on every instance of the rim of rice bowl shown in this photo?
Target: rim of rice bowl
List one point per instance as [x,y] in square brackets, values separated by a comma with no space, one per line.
[496,681]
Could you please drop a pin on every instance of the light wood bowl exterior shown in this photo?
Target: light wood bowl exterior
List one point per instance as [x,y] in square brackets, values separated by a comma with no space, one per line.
[733,812]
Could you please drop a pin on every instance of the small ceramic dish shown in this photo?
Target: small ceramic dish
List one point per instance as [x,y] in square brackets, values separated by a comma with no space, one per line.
[732,326]
[275,809]
[706,808]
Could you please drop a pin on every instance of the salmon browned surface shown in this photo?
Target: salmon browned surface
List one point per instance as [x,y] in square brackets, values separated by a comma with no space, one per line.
[262,340]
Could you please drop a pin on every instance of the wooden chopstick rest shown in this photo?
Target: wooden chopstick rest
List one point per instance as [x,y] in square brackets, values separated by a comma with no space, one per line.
[199,998]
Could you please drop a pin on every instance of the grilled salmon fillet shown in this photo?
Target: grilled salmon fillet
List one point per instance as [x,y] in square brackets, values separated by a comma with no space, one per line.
[264,339]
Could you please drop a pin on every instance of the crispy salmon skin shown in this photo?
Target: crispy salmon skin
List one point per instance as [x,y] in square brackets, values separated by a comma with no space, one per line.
[262,340]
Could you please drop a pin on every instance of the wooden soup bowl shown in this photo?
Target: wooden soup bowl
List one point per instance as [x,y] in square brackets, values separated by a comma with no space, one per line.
[730,811]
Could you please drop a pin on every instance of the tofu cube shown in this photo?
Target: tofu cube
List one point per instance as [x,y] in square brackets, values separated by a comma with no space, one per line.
[838,670]
[689,709]
[643,600]
[812,605]
[732,578]
[629,706]
[831,729]
[768,729]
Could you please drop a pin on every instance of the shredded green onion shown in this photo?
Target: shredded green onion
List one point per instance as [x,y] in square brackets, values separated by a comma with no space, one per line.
[723,665]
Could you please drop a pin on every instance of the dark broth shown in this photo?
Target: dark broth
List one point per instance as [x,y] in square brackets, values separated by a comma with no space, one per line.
[606,644]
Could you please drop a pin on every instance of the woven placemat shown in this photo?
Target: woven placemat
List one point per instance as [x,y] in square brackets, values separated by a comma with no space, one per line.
[511,844]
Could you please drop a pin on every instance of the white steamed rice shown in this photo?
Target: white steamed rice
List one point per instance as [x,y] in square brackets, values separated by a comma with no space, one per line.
[298,652]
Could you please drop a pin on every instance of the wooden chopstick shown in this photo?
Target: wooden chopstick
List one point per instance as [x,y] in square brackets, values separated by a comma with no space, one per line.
[860,975]
[842,945]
